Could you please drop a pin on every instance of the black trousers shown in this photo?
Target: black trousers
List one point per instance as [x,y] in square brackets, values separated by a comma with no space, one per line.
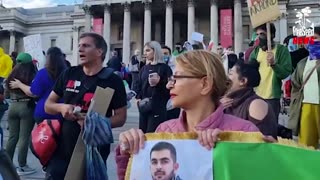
[148,122]
[135,81]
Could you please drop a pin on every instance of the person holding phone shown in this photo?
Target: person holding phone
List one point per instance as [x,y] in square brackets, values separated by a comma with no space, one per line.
[152,94]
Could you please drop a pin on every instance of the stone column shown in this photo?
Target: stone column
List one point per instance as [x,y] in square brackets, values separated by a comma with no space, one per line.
[177,32]
[75,49]
[126,33]
[12,45]
[191,19]
[147,22]
[214,35]
[238,40]
[106,29]
[283,26]
[169,24]
[87,18]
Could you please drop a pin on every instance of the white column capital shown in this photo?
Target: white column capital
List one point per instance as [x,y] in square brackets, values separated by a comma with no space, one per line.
[168,3]
[214,2]
[126,6]
[147,4]
[86,9]
[107,7]
[75,28]
[12,32]
[237,1]
[191,3]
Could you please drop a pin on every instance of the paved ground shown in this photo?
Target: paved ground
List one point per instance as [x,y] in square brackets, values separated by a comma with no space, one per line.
[132,122]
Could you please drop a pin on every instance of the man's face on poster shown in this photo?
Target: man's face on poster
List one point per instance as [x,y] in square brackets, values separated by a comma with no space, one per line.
[162,165]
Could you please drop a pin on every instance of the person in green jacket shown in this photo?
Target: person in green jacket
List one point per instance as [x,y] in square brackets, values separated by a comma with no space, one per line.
[275,65]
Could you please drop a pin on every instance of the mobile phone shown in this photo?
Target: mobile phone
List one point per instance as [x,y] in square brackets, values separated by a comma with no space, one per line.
[76,110]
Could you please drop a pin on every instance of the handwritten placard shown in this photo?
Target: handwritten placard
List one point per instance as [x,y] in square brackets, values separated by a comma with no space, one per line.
[33,46]
[263,11]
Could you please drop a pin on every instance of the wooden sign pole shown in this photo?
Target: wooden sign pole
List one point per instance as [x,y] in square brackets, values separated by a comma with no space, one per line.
[269,37]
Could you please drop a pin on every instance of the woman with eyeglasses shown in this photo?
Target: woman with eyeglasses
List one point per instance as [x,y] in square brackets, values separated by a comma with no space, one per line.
[196,87]
[152,94]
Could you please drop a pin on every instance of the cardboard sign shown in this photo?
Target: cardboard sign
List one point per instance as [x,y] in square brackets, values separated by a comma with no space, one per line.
[33,45]
[263,11]
[197,37]
[100,103]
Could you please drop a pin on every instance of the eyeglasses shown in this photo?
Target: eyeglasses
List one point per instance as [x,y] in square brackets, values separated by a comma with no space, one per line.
[174,78]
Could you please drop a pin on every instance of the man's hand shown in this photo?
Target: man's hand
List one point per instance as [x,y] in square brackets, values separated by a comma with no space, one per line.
[270,58]
[80,119]
[66,111]
[138,101]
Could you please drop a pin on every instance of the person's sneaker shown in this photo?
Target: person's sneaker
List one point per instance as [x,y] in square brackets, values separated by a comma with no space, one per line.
[25,170]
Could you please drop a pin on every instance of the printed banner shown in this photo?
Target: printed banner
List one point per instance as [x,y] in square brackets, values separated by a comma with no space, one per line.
[238,155]
[226,31]
[98,26]
[33,45]
[263,11]
[171,156]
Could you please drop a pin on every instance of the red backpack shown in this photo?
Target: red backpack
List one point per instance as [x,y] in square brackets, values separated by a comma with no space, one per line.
[44,140]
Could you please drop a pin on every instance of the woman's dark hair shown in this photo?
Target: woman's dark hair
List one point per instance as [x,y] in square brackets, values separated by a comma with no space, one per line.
[24,72]
[249,71]
[232,60]
[55,63]
[166,47]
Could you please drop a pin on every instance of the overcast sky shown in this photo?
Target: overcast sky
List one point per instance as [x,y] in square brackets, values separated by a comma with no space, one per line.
[36,3]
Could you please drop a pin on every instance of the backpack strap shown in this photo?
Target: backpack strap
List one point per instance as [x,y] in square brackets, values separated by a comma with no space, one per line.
[105,73]
[309,75]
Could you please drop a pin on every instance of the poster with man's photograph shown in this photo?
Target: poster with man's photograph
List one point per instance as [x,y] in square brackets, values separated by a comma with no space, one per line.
[171,159]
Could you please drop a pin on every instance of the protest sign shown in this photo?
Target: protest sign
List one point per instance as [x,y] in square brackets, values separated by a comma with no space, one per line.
[33,46]
[198,37]
[263,11]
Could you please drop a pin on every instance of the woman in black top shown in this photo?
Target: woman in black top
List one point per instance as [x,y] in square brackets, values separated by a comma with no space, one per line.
[153,78]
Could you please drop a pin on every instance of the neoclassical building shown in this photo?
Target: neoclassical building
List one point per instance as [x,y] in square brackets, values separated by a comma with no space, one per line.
[127,24]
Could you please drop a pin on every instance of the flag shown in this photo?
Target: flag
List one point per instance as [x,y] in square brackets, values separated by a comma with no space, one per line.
[264,161]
